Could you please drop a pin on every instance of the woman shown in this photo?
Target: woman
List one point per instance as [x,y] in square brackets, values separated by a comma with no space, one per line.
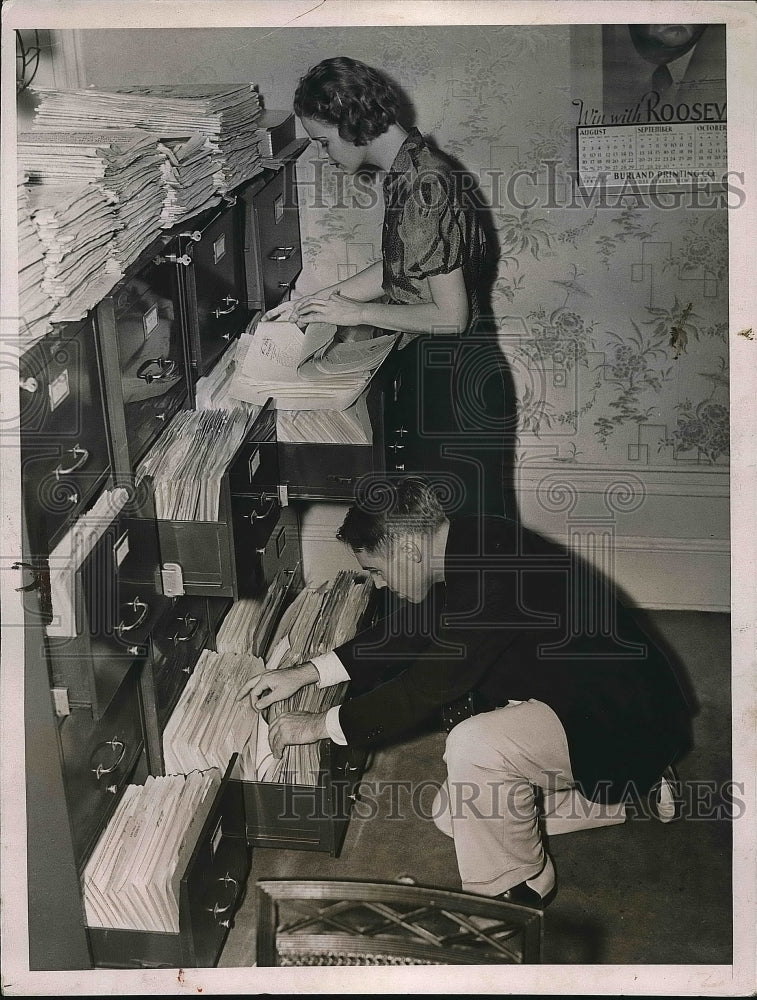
[427,281]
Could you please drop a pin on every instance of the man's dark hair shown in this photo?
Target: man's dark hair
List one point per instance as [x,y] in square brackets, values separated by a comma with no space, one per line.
[386,509]
[358,99]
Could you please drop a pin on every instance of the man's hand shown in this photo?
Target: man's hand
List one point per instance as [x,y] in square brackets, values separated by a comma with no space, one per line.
[296,728]
[277,685]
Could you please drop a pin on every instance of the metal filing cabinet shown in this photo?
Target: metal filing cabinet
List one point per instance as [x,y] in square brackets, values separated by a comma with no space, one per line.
[213,282]
[65,454]
[141,329]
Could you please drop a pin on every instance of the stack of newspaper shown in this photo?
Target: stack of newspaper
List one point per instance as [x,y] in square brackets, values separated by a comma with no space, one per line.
[210,722]
[225,114]
[188,173]
[34,303]
[188,462]
[124,163]
[76,225]
[132,879]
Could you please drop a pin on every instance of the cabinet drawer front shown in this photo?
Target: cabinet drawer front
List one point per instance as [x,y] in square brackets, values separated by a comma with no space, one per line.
[278,227]
[217,273]
[213,883]
[324,471]
[64,444]
[98,758]
[258,565]
[151,351]
[177,641]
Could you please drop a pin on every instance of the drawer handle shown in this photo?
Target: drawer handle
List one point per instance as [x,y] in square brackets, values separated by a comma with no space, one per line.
[192,624]
[166,370]
[29,384]
[230,199]
[400,467]
[399,431]
[256,514]
[185,260]
[119,749]
[339,479]
[36,582]
[138,606]
[285,284]
[81,457]
[281,253]
[231,305]
[216,909]
[396,447]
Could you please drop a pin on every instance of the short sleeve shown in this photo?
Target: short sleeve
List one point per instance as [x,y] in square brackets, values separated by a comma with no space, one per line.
[430,228]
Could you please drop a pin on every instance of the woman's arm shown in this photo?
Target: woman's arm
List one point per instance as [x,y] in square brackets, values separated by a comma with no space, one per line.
[446,313]
[362,287]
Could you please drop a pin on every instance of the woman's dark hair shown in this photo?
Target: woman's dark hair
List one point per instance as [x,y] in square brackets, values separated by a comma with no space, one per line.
[359,100]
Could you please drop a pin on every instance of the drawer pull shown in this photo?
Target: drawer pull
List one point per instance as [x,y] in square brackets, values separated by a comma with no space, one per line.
[185,260]
[216,908]
[161,416]
[112,789]
[134,650]
[255,514]
[399,466]
[399,431]
[285,284]
[281,253]
[29,384]
[231,305]
[81,457]
[230,199]
[166,370]
[36,582]
[396,447]
[189,623]
[339,479]
[142,609]
[73,498]
[119,749]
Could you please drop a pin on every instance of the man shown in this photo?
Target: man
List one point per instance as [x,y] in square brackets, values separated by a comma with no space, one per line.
[576,705]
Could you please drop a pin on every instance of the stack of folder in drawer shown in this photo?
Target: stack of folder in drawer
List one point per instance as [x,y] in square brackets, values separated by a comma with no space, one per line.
[209,722]
[248,625]
[131,879]
[188,462]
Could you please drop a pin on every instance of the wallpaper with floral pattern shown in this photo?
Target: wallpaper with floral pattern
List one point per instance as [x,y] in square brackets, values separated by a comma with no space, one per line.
[613,317]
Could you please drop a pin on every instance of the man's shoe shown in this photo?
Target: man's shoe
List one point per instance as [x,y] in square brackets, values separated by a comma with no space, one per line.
[524,895]
[665,796]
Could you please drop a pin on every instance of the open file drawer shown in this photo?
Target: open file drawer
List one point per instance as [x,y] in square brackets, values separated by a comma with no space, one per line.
[238,554]
[313,470]
[211,886]
[306,817]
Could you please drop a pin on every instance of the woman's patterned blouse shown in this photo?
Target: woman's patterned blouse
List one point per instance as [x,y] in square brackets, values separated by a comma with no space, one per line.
[430,226]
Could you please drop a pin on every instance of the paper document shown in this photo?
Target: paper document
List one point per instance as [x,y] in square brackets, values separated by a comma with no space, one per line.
[306,371]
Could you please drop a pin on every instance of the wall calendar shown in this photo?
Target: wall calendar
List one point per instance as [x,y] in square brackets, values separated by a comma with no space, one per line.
[671,154]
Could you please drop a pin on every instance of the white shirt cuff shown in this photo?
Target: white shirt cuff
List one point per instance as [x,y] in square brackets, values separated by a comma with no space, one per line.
[333,726]
[330,670]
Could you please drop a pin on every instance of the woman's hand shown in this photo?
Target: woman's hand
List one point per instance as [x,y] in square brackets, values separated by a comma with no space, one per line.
[292,311]
[276,685]
[336,309]
[296,728]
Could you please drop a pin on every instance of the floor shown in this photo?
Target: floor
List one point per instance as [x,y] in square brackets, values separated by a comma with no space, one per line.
[642,892]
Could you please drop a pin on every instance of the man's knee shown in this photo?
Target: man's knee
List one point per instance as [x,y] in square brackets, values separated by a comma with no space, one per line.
[462,740]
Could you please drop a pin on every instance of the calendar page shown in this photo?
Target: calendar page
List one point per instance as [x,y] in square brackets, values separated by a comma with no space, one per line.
[661,155]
